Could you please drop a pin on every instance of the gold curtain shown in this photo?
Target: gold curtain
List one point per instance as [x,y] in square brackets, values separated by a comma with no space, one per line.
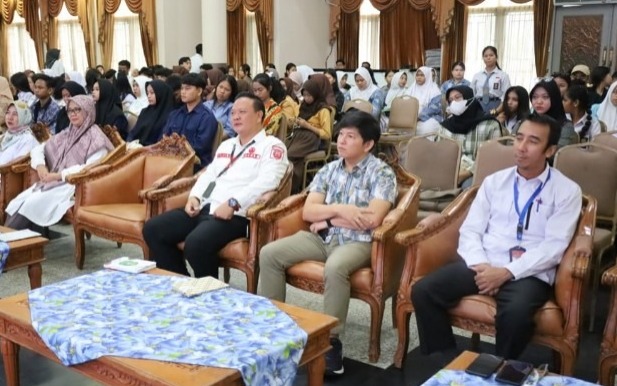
[147,27]
[84,11]
[453,47]
[29,10]
[236,37]
[402,25]
[106,10]
[347,41]
[236,25]
[7,8]
[542,22]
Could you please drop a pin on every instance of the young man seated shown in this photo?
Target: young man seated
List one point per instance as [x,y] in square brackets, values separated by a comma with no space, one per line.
[513,238]
[45,109]
[348,198]
[244,168]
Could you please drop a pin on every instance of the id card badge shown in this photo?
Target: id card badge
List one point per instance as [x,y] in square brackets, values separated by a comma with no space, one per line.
[209,189]
[516,252]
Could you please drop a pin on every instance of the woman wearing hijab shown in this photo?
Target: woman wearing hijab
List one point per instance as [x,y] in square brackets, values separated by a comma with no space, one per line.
[546,99]
[141,99]
[6,98]
[76,77]
[607,112]
[312,126]
[296,79]
[429,96]
[68,89]
[222,102]
[290,105]
[53,62]
[18,139]
[468,125]
[339,97]
[108,111]
[66,153]
[366,90]
[153,118]
[398,87]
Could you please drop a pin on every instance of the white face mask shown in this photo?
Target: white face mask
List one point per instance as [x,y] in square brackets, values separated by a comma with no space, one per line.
[457,107]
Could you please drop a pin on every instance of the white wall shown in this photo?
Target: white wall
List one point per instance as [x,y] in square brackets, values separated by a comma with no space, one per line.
[178,29]
[301,34]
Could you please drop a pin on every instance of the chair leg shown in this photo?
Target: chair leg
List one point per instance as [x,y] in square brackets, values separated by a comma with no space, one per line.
[226,274]
[564,361]
[475,342]
[606,371]
[595,283]
[252,278]
[119,244]
[144,249]
[88,235]
[79,247]
[394,311]
[374,349]
[402,323]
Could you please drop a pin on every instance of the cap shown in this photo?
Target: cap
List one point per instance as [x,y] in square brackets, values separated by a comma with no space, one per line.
[581,68]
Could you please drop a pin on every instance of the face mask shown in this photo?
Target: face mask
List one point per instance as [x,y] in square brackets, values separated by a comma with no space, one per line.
[457,107]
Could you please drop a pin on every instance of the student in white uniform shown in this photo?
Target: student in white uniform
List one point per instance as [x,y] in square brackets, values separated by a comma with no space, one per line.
[68,152]
[576,104]
[243,168]
[490,84]
[18,139]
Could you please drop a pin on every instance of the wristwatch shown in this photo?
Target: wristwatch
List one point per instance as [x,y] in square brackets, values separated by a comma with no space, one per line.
[234,204]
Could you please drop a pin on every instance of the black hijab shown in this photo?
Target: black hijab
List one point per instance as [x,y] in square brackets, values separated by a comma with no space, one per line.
[51,57]
[152,119]
[74,88]
[556,111]
[466,122]
[108,106]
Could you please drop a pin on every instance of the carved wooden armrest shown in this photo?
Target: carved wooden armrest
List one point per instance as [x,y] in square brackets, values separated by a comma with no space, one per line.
[287,206]
[20,168]
[8,167]
[179,186]
[429,226]
[88,175]
[609,277]
[389,225]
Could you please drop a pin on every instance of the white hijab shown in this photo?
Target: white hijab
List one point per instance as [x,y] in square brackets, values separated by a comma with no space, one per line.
[395,89]
[77,77]
[356,93]
[429,90]
[306,71]
[607,112]
[141,102]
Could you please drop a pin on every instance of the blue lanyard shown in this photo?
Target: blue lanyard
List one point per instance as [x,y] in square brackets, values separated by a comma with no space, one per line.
[527,207]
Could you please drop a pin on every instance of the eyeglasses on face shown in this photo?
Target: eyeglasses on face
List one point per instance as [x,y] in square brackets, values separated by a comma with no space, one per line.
[76,110]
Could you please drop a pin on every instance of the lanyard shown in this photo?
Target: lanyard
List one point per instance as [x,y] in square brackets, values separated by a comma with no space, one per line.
[233,159]
[527,208]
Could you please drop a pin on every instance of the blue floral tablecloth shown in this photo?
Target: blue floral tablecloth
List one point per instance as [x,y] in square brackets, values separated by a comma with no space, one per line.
[139,316]
[461,378]
[4,254]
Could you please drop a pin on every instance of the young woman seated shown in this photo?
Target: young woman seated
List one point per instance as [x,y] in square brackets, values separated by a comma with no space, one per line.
[68,152]
[428,95]
[152,119]
[108,111]
[576,103]
[515,109]
[546,99]
[312,126]
[18,140]
[222,101]
[366,90]
[141,98]
[607,110]
[289,104]
[398,87]
[332,76]
[270,92]
[67,90]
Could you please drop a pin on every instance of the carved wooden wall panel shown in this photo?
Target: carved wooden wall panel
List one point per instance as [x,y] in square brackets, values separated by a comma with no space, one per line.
[581,41]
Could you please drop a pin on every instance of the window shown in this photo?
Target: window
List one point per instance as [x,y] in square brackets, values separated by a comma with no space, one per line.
[71,42]
[253,53]
[509,27]
[127,38]
[20,43]
[368,47]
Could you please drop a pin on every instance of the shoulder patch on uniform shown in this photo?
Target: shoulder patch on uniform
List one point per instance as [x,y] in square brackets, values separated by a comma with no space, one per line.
[277,152]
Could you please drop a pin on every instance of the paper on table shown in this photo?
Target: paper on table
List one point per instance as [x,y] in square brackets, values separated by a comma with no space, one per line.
[18,235]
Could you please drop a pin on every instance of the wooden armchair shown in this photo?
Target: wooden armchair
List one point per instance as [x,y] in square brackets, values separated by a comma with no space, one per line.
[374,284]
[110,200]
[241,254]
[558,323]
[608,352]
[14,177]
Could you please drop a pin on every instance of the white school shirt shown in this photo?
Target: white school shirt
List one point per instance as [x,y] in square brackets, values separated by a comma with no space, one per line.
[594,128]
[489,231]
[498,83]
[259,169]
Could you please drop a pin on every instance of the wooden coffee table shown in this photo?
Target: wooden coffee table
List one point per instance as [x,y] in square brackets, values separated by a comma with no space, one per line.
[26,252]
[16,331]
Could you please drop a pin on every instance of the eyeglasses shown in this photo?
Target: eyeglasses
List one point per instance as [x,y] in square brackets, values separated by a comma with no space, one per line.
[76,110]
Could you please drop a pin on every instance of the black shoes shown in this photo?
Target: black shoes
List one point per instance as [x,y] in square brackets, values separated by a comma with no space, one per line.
[334,358]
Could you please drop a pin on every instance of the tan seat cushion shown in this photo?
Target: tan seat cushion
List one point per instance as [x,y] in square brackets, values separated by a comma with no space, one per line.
[237,250]
[549,319]
[121,218]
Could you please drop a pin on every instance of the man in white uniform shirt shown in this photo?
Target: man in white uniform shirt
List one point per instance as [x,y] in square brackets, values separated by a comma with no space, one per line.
[511,242]
[243,168]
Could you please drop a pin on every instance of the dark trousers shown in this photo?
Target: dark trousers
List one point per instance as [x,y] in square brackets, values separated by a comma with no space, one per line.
[517,302]
[203,235]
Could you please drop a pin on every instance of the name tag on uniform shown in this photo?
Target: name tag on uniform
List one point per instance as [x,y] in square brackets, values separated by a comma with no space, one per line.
[209,189]
[516,252]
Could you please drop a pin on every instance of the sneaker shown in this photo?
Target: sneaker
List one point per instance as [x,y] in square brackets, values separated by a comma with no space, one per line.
[334,358]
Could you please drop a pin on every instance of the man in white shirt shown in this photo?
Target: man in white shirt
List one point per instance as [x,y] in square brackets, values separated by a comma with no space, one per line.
[197,59]
[243,168]
[511,242]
